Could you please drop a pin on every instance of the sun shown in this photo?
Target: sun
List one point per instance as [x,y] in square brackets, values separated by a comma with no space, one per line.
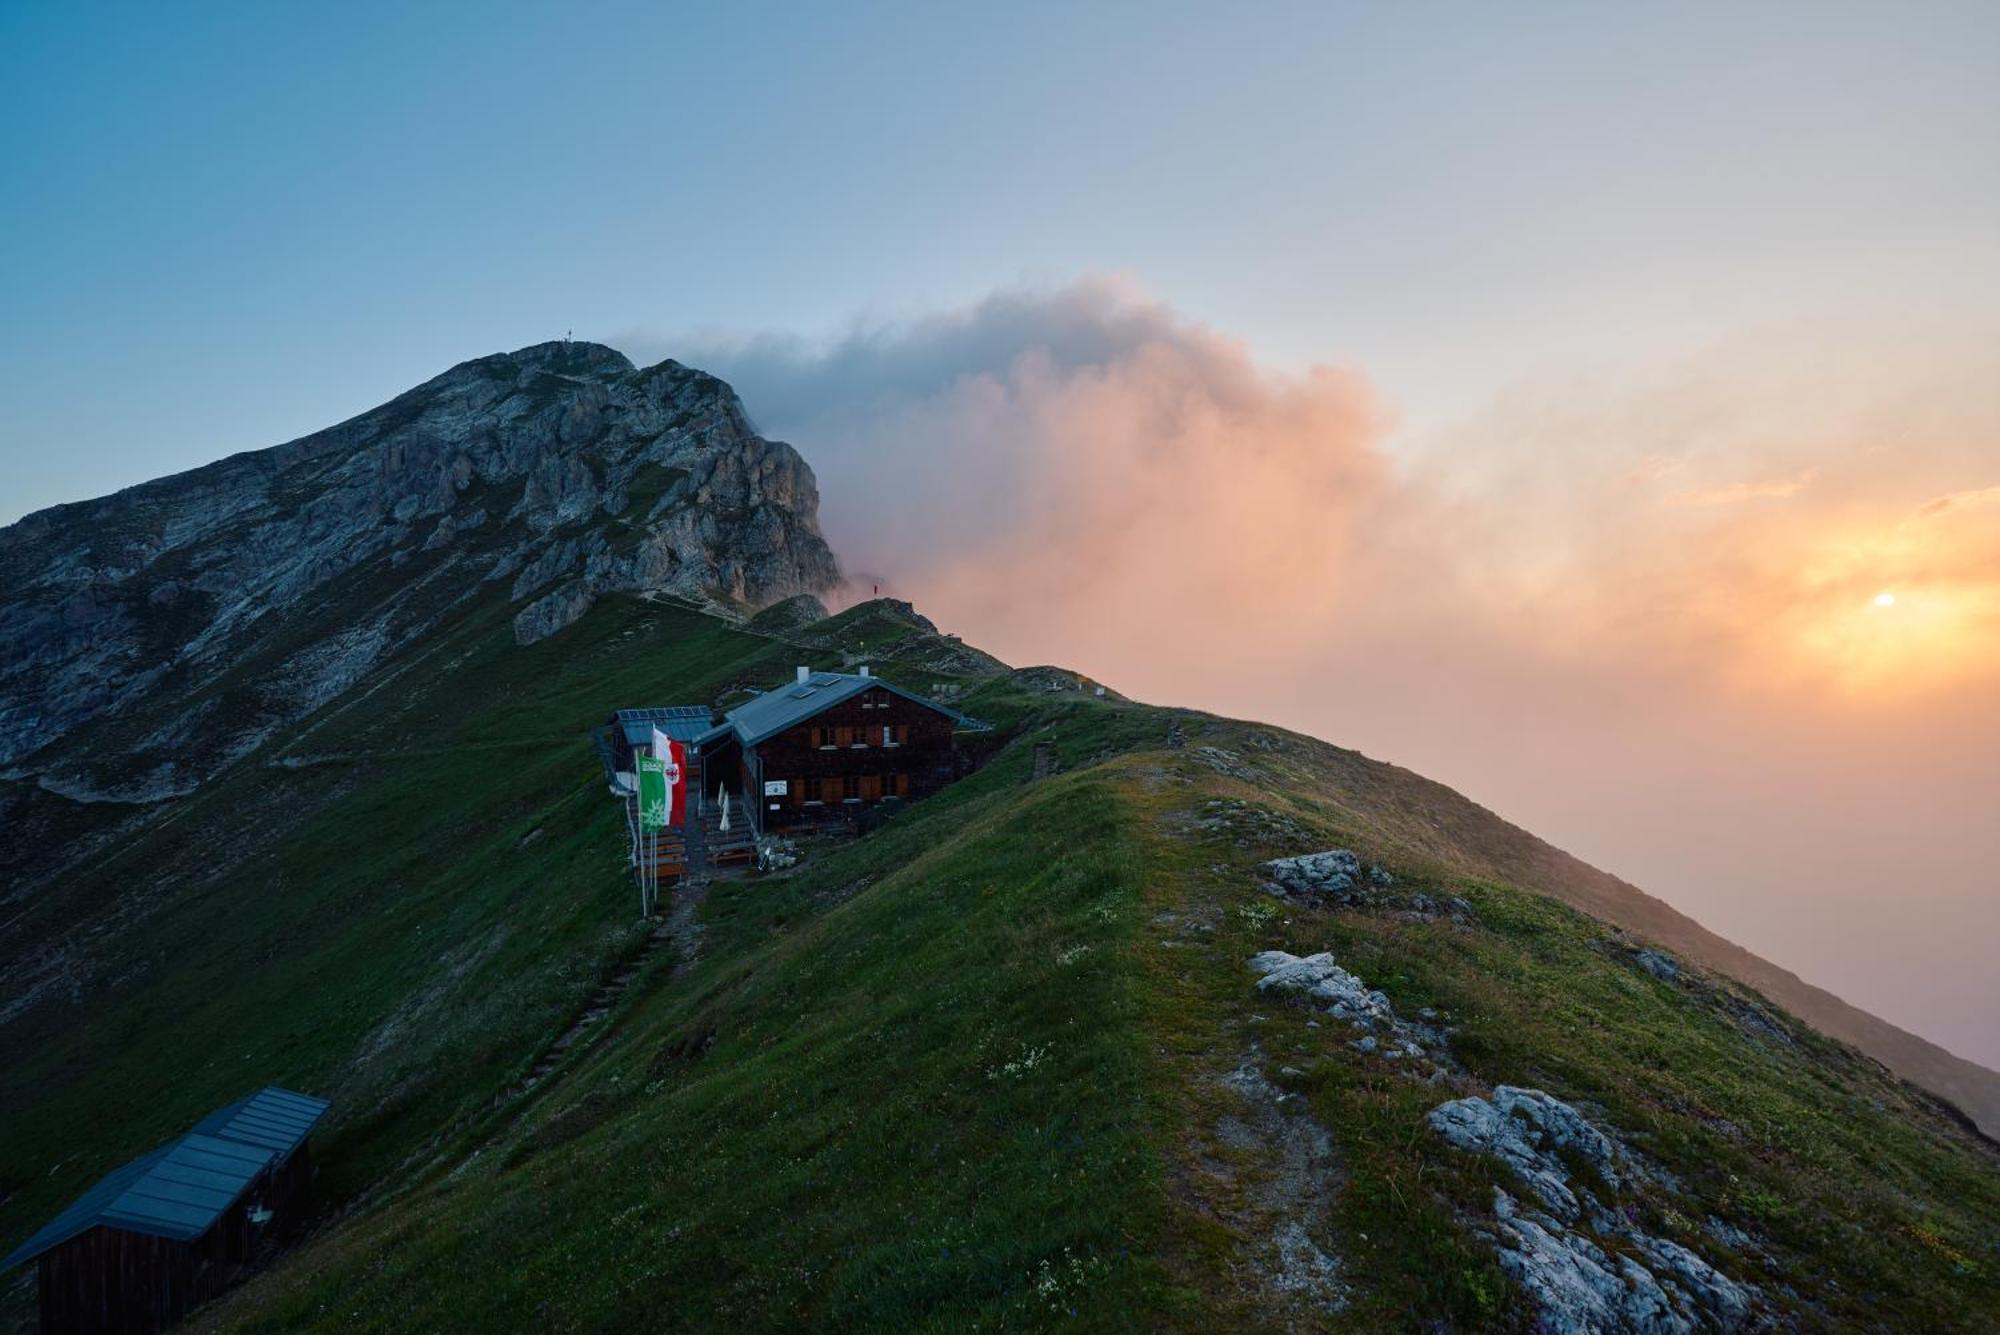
[1885,599]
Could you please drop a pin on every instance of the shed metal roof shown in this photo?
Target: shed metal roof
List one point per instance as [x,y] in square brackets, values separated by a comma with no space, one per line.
[683,723]
[179,1190]
[272,1118]
[795,702]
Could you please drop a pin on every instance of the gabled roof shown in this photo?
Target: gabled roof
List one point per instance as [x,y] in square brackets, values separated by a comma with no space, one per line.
[683,723]
[795,702]
[179,1190]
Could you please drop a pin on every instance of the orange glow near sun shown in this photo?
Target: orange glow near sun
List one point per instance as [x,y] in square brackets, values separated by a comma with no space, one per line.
[1937,628]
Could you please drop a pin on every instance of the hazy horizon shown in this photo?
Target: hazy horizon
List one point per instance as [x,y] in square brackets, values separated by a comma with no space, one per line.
[1655,640]
[1598,412]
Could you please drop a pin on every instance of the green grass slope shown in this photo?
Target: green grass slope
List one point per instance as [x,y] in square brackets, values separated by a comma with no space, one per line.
[392,909]
[967,1072]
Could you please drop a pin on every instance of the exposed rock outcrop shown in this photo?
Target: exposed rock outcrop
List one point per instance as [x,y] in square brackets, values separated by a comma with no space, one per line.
[1575,1255]
[205,611]
[552,611]
[1529,1132]
[1318,978]
[1421,1045]
[1657,963]
[1337,878]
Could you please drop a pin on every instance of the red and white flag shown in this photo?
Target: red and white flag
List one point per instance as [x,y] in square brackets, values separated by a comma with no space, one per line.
[675,754]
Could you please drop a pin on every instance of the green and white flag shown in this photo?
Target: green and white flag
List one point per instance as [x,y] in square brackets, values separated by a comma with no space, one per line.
[654,793]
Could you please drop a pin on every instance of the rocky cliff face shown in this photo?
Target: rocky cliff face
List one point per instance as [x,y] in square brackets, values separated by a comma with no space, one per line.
[178,624]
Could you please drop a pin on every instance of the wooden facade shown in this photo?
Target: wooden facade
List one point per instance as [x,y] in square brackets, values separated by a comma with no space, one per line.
[158,1236]
[827,749]
[874,747]
[114,1280]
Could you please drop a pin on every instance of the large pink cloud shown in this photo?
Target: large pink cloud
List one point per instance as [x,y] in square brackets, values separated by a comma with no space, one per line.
[1639,617]
[1085,473]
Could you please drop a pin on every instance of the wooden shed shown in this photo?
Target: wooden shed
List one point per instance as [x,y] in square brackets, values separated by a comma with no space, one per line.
[167,1232]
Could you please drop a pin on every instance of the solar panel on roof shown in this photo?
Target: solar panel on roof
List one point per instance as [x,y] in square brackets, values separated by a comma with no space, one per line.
[683,723]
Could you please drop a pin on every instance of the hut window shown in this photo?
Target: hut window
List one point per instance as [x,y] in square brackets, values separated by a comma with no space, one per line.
[827,738]
[850,788]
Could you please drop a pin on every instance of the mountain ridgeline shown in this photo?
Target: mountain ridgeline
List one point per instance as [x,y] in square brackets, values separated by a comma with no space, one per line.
[200,614]
[1153,1020]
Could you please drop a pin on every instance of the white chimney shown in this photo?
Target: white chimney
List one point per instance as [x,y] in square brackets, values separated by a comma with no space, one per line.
[864,669]
[805,674]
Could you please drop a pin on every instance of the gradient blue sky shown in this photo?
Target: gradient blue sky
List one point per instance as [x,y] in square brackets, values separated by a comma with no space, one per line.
[1682,322]
[225,225]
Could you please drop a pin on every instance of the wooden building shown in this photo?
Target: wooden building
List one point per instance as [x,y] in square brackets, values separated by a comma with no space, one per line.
[832,744]
[821,750]
[173,1229]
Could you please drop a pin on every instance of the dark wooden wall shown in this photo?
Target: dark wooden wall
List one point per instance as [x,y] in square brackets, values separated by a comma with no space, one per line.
[109,1280]
[836,763]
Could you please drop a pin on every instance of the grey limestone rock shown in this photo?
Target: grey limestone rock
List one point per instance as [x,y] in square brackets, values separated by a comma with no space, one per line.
[551,612]
[1528,1130]
[1421,1048]
[1329,874]
[549,476]
[1334,876]
[1657,963]
[1318,978]
[1577,1284]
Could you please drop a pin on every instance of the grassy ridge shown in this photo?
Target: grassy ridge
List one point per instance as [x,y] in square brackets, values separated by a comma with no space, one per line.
[394,922]
[1876,1207]
[901,1090]
[962,1073]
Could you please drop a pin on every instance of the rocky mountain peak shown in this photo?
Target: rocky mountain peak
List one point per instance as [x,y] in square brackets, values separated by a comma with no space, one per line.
[566,357]
[208,609]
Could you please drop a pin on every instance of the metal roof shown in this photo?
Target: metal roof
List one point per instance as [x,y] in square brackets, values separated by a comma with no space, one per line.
[272,1118]
[683,723]
[179,1190]
[793,703]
